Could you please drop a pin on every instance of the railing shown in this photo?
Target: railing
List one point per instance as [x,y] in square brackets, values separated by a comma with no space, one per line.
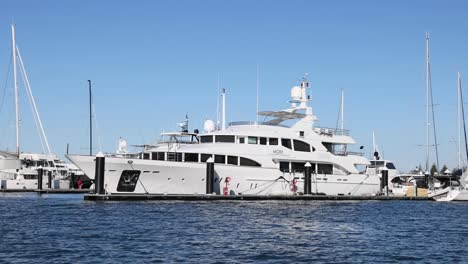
[346,153]
[252,123]
[331,131]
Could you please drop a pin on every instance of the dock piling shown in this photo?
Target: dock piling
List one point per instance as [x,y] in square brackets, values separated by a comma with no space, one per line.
[49,181]
[307,178]
[39,178]
[385,182]
[99,173]
[209,176]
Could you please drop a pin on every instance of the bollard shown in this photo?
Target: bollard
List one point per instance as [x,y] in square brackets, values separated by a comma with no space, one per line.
[99,174]
[39,178]
[49,182]
[307,178]
[209,176]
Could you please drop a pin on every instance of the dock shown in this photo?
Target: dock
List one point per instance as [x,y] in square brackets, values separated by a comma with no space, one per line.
[214,197]
[45,191]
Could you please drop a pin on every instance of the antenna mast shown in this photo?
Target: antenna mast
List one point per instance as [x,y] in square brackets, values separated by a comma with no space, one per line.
[223,121]
[13,39]
[256,114]
[342,110]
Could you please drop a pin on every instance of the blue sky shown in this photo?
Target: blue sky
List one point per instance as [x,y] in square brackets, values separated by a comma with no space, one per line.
[152,62]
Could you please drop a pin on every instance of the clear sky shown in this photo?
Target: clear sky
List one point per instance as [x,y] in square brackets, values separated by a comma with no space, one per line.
[151,62]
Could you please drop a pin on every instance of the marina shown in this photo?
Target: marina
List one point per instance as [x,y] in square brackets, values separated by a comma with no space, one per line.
[233,132]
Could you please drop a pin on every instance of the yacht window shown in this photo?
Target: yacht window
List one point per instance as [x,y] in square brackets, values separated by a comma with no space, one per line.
[249,162]
[174,156]
[220,159]
[146,156]
[206,139]
[313,149]
[297,166]
[205,157]
[228,139]
[241,140]
[286,142]
[391,166]
[191,157]
[284,166]
[263,141]
[154,155]
[51,164]
[273,141]
[252,140]
[232,160]
[160,155]
[301,133]
[301,146]
[325,168]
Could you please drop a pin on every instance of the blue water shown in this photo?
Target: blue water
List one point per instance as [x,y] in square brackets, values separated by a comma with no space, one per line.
[65,229]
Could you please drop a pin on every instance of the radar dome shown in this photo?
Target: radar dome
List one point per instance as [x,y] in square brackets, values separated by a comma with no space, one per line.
[296,93]
[209,126]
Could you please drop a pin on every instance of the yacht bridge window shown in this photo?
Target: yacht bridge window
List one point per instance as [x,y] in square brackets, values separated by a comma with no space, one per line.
[263,141]
[273,141]
[252,140]
[226,139]
[206,139]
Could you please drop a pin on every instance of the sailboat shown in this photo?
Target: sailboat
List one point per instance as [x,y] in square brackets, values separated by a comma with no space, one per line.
[20,170]
[460,192]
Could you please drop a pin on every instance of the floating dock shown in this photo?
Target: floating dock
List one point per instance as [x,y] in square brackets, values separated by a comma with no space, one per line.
[62,191]
[213,197]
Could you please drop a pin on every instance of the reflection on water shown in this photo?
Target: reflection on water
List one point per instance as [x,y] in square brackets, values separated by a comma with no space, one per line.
[64,229]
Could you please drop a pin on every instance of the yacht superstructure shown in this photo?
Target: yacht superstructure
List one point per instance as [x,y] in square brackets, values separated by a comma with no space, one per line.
[250,158]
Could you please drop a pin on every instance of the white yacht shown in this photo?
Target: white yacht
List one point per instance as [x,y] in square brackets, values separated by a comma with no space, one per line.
[24,175]
[265,158]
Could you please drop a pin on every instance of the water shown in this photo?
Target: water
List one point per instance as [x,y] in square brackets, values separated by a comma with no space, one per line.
[65,229]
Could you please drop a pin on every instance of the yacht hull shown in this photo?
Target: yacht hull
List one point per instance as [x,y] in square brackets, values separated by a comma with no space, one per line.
[168,177]
[451,194]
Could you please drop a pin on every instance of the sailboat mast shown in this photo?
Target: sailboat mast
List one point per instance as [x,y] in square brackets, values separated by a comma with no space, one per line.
[15,80]
[90,121]
[459,119]
[427,101]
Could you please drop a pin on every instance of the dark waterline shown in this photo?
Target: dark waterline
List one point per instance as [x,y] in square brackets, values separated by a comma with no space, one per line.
[65,229]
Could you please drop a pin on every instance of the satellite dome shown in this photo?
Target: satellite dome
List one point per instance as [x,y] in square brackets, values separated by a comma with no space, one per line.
[296,93]
[209,126]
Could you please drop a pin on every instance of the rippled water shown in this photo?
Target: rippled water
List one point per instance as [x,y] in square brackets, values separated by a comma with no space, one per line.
[65,229]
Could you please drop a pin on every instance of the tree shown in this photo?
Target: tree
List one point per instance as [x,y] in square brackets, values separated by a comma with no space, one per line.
[442,171]
[434,169]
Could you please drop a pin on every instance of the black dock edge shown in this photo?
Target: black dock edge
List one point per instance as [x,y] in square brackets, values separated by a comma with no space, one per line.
[204,197]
